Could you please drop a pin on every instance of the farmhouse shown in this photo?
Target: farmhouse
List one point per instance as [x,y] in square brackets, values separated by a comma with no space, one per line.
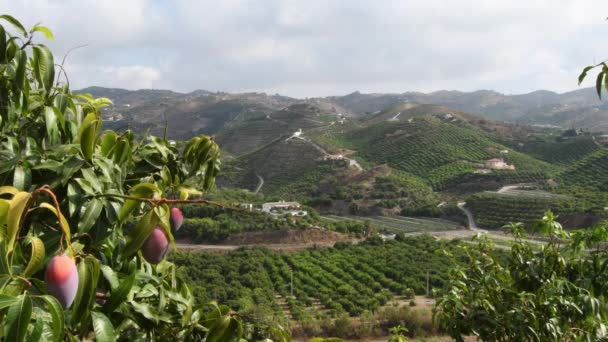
[602,139]
[498,164]
[333,157]
[282,205]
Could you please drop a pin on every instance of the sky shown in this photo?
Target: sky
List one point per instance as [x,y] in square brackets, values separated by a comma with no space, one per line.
[319,48]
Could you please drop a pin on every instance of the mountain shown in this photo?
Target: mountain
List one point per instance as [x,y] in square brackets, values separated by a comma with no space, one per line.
[580,108]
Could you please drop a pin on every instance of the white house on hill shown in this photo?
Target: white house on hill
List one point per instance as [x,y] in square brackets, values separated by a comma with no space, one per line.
[267,207]
[498,164]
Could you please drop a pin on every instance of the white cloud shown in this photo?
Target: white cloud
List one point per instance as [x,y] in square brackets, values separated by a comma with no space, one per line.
[314,47]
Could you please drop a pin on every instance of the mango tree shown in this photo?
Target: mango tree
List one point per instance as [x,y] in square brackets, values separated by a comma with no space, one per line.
[79,205]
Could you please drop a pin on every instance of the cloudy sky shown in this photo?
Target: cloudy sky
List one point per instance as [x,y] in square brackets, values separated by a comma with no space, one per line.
[317,48]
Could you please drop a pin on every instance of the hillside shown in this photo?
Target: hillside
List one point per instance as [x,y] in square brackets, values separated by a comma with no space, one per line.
[239,137]
[580,108]
[443,150]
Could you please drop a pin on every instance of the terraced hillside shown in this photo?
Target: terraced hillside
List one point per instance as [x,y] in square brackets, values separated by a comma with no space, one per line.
[492,210]
[587,179]
[562,152]
[438,150]
[348,278]
[401,224]
[242,136]
[277,163]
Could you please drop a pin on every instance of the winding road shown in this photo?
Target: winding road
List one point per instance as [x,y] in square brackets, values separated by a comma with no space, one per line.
[259,184]
[470,218]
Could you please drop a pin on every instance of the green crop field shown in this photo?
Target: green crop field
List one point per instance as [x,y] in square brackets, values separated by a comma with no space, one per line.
[348,278]
[493,210]
[440,152]
[401,224]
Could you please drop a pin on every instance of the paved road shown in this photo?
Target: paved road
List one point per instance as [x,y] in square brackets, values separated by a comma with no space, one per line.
[259,184]
[470,218]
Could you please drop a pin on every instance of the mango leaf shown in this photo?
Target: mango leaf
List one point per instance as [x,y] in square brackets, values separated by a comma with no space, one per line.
[63,223]
[140,233]
[583,74]
[143,191]
[37,258]
[88,276]
[16,24]
[20,61]
[110,276]
[3,45]
[104,330]
[52,130]
[4,207]
[44,30]
[87,135]
[36,333]
[18,319]
[108,143]
[56,311]
[22,177]
[598,84]
[18,205]
[44,67]
[119,295]
[6,301]
[90,216]
[7,189]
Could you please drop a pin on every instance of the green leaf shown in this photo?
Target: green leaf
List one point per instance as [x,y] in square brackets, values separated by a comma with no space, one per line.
[3,45]
[140,233]
[37,258]
[87,135]
[598,84]
[52,130]
[18,204]
[104,330]
[583,74]
[22,177]
[56,311]
[15,24]
[36,334]
[88,277]
[44,30]
[20,61]
[110,276]
[6,301]
[44,67]
[18,319]
[143,191]
[90,216]
[119,295]
[63,223]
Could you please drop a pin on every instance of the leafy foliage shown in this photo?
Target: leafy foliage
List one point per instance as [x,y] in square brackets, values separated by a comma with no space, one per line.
[555,293]
[68,188]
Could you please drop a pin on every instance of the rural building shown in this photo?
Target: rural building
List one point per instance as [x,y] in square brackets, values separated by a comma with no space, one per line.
[498,164]
[333,157]
[282,205]
[602,139]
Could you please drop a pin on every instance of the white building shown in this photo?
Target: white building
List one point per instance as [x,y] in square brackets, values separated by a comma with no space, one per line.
[267,207]
[498,164]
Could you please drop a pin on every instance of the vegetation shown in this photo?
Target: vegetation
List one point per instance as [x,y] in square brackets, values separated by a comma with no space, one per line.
[437,151]
[70,266]
[347,278]
[493,210]
[555,293]
[327,283]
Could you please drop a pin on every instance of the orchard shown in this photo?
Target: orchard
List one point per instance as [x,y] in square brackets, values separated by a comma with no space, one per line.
[85,214]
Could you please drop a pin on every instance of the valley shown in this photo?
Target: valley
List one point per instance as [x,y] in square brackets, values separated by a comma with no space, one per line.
[383,183]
